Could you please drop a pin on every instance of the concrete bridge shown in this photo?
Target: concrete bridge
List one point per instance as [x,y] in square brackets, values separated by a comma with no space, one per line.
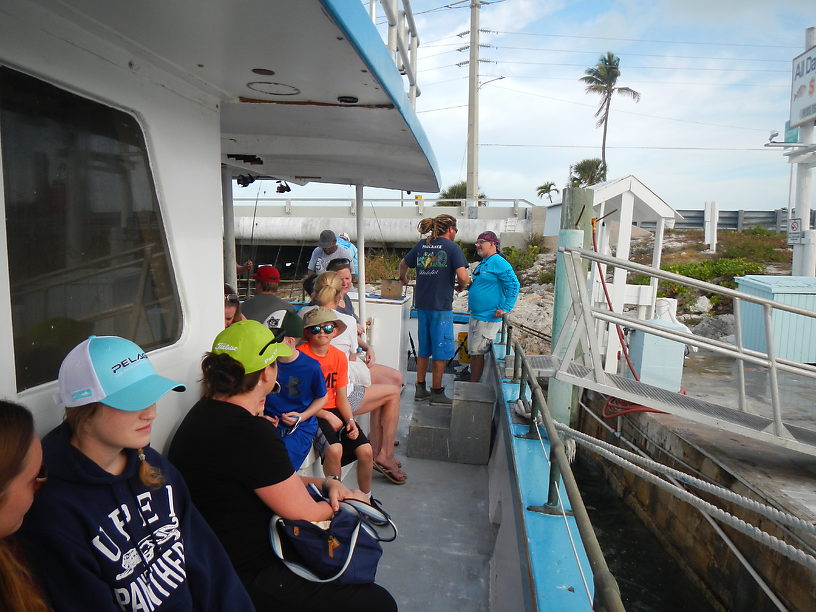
[388,222]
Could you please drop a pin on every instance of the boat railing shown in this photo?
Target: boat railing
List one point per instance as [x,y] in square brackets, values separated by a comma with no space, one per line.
[607,593]
[581,327]
[402,39]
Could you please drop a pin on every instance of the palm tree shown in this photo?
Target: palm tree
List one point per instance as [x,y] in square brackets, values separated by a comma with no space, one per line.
[587,172]
[457,191]
[602,79]
[546,189]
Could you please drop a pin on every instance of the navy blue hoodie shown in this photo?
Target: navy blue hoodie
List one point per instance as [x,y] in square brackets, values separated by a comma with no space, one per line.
[104,542]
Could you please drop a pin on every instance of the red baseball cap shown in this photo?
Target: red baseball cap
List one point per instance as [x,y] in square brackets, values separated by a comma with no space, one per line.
[267,274]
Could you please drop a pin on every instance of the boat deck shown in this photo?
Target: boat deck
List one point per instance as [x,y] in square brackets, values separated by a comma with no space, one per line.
[440,560]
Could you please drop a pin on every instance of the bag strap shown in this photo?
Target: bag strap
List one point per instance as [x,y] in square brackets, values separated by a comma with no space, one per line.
[373,517]
[296,568]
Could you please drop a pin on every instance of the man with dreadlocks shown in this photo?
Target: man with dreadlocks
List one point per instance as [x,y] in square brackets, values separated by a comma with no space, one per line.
[441,267]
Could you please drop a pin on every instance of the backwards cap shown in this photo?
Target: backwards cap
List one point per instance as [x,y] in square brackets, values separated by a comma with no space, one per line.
[288,324]
[114,371]
[250,343]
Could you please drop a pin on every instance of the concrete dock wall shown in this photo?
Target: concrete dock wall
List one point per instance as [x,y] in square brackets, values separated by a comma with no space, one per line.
[688,536]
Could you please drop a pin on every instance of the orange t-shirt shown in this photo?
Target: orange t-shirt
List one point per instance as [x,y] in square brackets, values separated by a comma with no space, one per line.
[334,366]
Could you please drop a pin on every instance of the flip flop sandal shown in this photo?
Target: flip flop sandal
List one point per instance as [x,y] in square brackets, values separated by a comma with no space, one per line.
[389,474]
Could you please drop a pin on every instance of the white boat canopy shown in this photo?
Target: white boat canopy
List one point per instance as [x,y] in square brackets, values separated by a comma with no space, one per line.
[308,90]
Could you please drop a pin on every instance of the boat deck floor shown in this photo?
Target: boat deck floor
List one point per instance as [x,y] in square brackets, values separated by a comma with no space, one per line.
[440,561]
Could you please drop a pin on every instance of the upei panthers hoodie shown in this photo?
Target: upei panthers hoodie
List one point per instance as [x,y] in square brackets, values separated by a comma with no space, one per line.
[103,542]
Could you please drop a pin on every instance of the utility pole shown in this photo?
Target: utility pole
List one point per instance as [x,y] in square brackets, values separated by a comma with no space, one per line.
[473,107]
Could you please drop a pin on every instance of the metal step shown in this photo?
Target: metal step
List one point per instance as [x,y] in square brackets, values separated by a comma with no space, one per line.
[728,419]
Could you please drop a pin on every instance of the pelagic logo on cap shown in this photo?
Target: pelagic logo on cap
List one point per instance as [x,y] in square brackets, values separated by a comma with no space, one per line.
[126,362]
[223,346]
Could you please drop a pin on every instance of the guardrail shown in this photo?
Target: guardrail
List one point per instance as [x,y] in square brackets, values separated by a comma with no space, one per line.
[739,220]
[737,350]
[607,593]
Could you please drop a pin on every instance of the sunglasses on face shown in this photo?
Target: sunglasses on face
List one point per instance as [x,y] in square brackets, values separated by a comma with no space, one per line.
[231,298]
[326,328]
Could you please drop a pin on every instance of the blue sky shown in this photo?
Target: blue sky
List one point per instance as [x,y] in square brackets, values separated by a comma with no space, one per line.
[714,78]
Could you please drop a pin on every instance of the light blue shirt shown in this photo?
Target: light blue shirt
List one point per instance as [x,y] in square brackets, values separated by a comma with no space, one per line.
[495,287]
[352,251]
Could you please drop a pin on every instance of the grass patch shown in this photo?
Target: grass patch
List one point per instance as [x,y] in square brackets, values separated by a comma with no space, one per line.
[382,264]
[755,244]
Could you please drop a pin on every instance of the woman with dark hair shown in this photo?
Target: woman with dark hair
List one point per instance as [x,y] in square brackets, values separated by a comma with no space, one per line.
[21,474]
[115,528]
[239,474]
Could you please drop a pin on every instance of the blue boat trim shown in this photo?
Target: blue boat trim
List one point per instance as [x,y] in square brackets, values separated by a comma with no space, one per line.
[554,570]
[352,19]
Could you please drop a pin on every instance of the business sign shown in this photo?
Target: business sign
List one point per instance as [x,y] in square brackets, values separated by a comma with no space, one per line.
[803,88]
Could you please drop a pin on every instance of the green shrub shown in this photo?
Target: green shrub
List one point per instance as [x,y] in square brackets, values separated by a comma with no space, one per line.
[521,260]
[547,276]
[716,271]
[536,240]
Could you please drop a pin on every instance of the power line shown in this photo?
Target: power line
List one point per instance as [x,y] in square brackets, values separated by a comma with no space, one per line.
[635,82]
[631,54]
[633,147]
[617,110]
[644,40]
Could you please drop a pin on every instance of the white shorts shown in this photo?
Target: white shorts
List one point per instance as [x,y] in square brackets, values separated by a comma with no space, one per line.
[481,335]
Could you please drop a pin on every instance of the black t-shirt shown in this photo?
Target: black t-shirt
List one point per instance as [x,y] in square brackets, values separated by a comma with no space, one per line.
[224,454]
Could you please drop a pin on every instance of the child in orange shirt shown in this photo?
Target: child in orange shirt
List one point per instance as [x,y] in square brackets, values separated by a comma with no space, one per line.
[335,420]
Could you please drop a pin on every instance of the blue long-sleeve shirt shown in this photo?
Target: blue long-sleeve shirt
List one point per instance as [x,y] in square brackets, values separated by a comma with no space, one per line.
[495,287]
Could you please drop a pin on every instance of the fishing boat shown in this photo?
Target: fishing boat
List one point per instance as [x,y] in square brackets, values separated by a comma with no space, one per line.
[123,129]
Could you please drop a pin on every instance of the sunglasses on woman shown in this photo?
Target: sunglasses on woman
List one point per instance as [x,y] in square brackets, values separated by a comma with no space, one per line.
[326,328]
[231,298]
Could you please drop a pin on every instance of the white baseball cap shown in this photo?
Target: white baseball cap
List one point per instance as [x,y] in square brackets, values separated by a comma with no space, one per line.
[114,371]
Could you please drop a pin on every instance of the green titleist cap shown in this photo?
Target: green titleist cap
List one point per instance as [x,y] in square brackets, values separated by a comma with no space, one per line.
[250,343]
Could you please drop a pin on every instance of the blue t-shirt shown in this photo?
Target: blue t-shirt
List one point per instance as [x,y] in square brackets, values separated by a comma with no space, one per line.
[301,382]
[494,287]
[436,266]
[352,250]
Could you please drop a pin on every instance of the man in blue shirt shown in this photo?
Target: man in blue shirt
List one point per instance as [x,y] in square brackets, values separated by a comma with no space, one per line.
[492,294]
[439,262]
[344,241]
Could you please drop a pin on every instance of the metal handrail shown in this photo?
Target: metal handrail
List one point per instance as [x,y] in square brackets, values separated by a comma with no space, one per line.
[768,359]
[684,280]
[606,587]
